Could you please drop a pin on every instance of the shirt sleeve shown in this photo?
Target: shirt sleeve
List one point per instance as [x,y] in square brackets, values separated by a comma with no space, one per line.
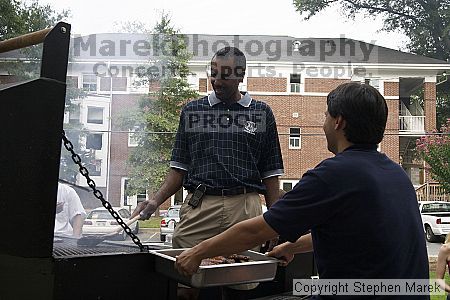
[271,162]
[181,158]
[306,206]
[74,204]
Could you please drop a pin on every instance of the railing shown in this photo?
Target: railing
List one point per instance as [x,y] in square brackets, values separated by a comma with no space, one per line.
[412,124]
[431,192]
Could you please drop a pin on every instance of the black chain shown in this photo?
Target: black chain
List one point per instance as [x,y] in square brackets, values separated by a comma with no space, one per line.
[98,194]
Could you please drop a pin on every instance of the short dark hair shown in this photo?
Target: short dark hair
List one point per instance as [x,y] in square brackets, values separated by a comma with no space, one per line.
[238,56]
[363,108]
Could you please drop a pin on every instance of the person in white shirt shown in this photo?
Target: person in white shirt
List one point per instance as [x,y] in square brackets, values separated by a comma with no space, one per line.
[70,213]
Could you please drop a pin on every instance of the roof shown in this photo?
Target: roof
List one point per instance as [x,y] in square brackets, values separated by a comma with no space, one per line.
[261,48]
[257,48]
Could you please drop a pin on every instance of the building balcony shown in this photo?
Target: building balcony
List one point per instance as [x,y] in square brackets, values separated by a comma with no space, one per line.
[412,125]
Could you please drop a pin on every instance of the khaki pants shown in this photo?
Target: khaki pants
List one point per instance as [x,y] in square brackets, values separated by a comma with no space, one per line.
[214,215]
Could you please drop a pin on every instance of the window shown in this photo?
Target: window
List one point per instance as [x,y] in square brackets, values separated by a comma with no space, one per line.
[436,207]
[375,82]
[295,83]
[95,115]
[90,83]
[141,196]
[288,185]
[133,137]
[126,201]
[119,83]
[131,200]
[94,141]
[294,138]
[95,167]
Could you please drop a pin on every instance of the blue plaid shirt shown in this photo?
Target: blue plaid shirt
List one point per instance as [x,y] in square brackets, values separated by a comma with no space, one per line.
[225,146]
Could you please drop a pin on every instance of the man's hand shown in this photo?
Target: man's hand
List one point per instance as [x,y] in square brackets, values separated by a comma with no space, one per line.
[145,209]
[283,252]
[187,262]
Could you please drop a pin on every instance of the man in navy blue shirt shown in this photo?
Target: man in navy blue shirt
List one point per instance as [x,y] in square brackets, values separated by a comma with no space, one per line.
[360,206]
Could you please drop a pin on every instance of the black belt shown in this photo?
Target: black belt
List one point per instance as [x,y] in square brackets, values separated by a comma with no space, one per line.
[229,192]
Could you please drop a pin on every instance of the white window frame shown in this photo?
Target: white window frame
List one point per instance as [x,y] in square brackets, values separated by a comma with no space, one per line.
[295,86]
[295,138]
[101,168]
[132,141]
[122,193]
[291,181]
[172,198]
[372,81]
[90,83]
[132,200]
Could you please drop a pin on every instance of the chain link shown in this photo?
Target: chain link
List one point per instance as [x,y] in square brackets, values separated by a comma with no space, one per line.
[99,195]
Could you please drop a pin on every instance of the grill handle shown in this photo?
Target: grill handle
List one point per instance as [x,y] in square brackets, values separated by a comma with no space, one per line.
[25,40]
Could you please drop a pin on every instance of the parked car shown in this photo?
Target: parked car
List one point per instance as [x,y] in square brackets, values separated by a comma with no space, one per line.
[169,221]
[435,219]
[99,221]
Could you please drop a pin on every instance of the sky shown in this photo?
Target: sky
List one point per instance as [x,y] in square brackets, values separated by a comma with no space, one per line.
[233,17]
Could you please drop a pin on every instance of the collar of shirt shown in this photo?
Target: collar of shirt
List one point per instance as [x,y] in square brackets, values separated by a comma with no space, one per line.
[362,147]
[245,100]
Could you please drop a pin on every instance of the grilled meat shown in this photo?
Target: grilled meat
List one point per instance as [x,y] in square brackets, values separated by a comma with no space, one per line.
[219,260]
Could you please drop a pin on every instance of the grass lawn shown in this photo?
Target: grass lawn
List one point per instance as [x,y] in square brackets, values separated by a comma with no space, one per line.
[447,279]
[153,222]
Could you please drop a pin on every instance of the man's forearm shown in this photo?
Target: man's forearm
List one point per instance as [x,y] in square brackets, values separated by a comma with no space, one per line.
[303,244]
[272,190]
[240,237]
[77,225]
[171,185]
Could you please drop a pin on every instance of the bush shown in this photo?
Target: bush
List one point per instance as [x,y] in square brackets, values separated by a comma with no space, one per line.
[435,150]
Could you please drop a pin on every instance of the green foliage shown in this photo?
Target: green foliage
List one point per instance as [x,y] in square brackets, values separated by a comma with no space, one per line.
[426,23]
[18,18]
[435,150]
[157,116]
[153,222]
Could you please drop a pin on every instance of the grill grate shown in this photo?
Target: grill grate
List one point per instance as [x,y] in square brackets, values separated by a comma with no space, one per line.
[68,248]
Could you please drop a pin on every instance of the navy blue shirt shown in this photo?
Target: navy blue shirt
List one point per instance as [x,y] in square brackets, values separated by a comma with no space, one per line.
[363,214]
[225,146]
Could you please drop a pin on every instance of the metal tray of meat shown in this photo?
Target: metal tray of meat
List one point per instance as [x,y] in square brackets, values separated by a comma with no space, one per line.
[259,268]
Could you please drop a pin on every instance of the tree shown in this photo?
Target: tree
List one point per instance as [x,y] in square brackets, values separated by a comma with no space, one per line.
[19,18]
[425,22]
[435,150]
[155,120]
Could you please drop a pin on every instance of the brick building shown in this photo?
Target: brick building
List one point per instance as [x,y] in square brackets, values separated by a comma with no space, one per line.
[292,75]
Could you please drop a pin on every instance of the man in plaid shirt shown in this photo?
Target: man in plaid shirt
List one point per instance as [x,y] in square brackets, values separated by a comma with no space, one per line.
[226,153]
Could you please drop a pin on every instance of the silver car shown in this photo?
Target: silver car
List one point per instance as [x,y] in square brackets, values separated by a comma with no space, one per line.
[99,221]
[169,221]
